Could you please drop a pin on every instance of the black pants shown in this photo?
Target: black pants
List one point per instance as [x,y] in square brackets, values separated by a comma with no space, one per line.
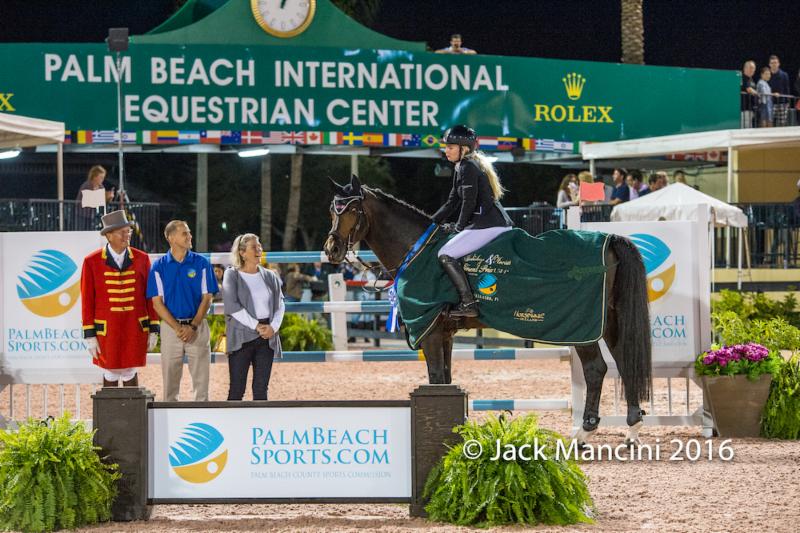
[258,353]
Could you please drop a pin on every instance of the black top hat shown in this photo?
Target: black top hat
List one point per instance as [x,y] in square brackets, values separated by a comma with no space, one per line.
[114,221]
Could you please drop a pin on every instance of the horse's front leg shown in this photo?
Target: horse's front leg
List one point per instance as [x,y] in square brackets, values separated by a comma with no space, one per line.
[433,348]
[447,354]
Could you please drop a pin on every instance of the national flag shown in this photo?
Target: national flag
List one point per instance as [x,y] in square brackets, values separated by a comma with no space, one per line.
[545,145]
[392,139]
[373,139]
[67,136]
[410,140]
[104,137]
[529,144]
[313,137]
[332,137]
[431,140]
[145,137]
[252,137]
[487,143]
[506,143]
[592,192]
[352,139]
[167,137]
[84,137]
[294,137]
[189,137]
[562,146]
[231,137]
[210,136]
[273,137]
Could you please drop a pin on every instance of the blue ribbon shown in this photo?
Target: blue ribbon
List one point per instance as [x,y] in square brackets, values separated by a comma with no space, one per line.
[392,322]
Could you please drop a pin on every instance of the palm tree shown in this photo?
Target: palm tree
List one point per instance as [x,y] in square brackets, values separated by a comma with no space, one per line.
[632,28]
[266,202]
[293,209]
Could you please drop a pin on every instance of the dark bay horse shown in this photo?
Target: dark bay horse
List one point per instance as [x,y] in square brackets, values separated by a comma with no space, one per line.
[390,227]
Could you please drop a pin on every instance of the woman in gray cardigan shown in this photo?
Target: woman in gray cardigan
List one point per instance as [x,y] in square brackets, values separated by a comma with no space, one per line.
[254,310]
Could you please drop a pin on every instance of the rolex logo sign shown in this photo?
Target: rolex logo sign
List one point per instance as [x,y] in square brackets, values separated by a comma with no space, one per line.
[589,112]
[574,84]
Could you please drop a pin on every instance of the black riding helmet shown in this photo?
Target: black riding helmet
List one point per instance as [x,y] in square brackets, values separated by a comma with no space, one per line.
[461,135]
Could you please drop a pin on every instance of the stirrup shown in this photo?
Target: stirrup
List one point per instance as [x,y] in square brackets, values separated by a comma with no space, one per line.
[463,310]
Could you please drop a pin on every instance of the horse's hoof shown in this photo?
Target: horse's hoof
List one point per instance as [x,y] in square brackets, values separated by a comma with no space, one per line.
[632,438]
[582,436]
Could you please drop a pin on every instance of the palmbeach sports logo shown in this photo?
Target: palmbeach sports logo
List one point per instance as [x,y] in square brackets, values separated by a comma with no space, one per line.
[43,285]
[660,272]
[487,284]
[197,456]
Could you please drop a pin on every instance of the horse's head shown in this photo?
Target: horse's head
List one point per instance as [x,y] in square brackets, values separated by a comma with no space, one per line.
[348,220]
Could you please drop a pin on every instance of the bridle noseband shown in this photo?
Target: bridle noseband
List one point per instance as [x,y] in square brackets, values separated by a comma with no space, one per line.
[338,206]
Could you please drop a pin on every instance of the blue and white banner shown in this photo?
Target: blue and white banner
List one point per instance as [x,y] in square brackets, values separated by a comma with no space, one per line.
[40,315]
[280,452]
[673,259]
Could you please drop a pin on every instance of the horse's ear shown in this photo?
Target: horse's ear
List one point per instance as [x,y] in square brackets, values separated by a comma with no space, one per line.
[336,187]
[355,185]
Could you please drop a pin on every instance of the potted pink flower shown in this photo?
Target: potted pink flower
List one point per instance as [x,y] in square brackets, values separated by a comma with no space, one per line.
[736,383]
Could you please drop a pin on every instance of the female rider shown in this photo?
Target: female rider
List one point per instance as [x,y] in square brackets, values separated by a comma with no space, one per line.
[475,198]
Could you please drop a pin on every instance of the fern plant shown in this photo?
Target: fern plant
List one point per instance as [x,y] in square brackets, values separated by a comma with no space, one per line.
[487,492]
[300,334]
[52,478]
[781,419]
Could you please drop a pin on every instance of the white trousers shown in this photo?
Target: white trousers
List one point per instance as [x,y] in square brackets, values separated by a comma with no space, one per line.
[469,240]
[115,374]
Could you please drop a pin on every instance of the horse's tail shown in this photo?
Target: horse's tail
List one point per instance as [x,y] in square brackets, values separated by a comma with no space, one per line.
[633,318]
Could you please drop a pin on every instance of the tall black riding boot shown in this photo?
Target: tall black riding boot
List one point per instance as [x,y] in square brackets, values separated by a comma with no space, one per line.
[468,307]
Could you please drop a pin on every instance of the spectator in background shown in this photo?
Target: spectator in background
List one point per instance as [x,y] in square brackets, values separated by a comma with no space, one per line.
[663,179]
[219,272]
[779,84]
[608,189]
[748,96]
[565,197]
[294,283]
[455,46]
[765,102]
[621,193]
[87,218]
[637,188]
[654,182]
[679,176]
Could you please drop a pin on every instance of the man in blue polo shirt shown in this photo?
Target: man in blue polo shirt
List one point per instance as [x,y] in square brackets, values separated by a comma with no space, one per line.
[182,285]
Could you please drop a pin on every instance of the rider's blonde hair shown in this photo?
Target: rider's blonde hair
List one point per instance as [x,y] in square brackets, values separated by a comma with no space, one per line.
[488,169]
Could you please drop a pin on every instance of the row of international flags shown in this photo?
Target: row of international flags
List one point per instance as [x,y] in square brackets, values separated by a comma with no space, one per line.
[247,137]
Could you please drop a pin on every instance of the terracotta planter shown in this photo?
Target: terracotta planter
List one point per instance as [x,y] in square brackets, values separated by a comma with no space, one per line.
[736,403]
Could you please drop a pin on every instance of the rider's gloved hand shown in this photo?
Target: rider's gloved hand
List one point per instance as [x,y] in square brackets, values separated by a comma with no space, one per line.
[450,227]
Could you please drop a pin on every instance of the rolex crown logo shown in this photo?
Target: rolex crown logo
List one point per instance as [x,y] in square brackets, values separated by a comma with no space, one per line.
[574,83]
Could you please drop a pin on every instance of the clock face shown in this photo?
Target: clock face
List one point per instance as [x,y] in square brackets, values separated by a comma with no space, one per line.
[283,18]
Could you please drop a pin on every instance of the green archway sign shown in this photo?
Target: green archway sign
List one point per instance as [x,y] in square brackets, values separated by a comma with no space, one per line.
[223,72]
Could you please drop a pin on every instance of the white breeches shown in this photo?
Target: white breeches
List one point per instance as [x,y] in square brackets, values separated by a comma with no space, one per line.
[469,240]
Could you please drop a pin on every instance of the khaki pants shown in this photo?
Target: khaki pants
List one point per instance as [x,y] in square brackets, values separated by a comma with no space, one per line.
[198,353]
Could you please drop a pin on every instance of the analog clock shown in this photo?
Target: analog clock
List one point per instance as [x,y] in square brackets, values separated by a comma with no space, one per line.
[283,18]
